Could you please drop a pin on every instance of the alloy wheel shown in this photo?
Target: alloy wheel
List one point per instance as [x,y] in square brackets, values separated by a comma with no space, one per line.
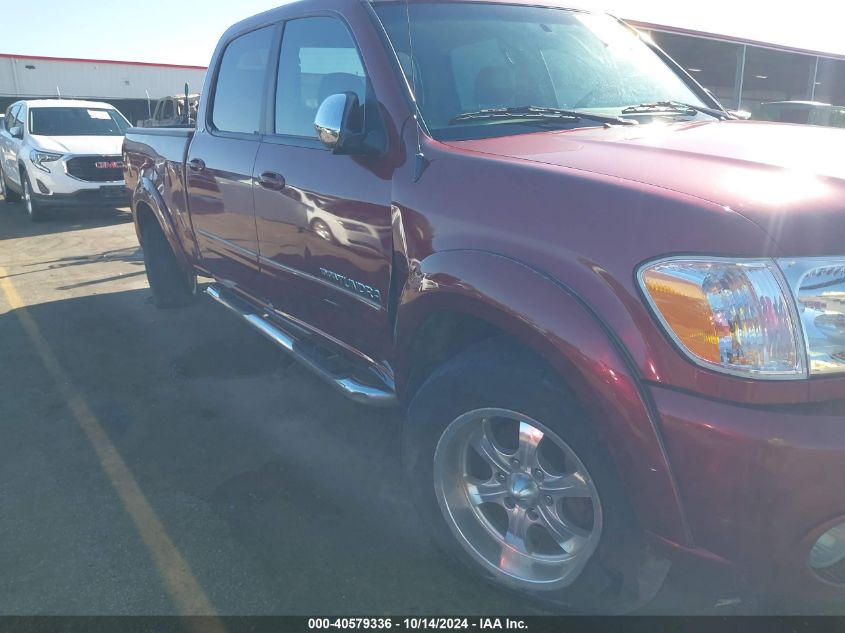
[27,196]
[517,498]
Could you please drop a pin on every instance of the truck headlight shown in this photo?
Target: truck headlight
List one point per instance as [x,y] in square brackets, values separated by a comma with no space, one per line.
[730,316]
[39,158]
[819,288]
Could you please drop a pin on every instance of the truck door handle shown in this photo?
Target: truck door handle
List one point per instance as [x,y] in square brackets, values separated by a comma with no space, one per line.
[272,180]
[197,164]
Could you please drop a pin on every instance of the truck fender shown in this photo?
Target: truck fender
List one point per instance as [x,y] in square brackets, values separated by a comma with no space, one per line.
[558,326]
[146,193]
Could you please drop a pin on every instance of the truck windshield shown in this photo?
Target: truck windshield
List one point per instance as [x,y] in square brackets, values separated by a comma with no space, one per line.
[76,122]
[470,57]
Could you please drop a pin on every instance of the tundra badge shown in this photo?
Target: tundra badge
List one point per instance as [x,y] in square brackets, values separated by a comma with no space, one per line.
[357,287]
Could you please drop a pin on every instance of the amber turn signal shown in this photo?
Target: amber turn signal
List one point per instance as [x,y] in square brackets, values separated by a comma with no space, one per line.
[687,312]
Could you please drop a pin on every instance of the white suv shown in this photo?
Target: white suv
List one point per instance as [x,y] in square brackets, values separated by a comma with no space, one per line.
[62,153]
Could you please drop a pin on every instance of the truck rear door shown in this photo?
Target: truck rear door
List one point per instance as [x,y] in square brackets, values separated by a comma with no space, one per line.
[221,158]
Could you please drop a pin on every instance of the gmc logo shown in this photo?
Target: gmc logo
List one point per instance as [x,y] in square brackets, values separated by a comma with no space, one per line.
[109,164]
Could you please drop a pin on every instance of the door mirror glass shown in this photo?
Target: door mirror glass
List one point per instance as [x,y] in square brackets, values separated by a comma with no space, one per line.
[742,115]
[17,132]
[338,122]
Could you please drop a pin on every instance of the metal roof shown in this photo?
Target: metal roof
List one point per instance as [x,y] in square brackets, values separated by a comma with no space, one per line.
[732,39]
[49,77]
[98,61]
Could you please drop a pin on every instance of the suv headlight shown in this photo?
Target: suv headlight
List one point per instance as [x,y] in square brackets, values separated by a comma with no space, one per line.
[731,316]
[819,288]
[39,158]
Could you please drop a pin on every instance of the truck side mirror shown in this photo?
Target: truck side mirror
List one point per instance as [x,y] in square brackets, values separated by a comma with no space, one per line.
[16,132]
[339,123]
[741,115]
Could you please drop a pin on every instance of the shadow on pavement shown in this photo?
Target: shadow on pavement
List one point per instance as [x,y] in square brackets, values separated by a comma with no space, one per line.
[132,255]
[60,220]
[284,497]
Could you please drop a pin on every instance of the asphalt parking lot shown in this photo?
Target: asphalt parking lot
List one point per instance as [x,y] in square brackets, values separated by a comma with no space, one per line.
[167,462]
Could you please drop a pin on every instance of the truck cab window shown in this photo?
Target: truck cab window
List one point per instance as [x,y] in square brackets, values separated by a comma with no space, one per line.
[318,59]
[239,90]
[167,109]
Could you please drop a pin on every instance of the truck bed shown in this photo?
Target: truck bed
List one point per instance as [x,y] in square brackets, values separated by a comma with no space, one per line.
[154,162]
[144,149]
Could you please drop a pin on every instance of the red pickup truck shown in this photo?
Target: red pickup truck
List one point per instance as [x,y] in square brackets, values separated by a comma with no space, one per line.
[613,314]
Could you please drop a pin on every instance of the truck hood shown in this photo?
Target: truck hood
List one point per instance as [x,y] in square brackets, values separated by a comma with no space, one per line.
[80,145]
[787,179]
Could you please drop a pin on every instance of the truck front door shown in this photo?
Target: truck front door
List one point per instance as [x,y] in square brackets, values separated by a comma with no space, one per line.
[221,158]
[324,222]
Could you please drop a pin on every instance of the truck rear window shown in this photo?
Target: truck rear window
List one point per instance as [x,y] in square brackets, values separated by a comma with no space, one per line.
[239,92]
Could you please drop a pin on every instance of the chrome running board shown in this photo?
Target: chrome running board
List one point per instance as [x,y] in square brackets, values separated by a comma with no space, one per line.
[305,352]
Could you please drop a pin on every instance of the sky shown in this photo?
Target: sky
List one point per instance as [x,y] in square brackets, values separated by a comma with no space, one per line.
[186,31]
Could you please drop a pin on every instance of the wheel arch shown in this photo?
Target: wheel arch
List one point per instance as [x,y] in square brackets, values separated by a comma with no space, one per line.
[22,171]
[148,206]
[500,296]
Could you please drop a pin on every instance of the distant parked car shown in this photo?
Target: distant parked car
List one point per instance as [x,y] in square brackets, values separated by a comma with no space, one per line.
[804,112]
[62,153]
[170,111]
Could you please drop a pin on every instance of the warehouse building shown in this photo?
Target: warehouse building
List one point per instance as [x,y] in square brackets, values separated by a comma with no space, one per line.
[132,87]
[743,74]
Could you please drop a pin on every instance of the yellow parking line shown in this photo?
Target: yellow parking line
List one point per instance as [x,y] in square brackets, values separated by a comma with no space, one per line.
[180,582]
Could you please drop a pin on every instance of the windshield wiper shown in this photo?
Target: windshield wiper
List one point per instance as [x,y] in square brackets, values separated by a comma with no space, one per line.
[674,107]
[538,114]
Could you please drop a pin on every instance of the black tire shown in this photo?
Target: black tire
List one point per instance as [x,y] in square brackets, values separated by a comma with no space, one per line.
[9,195]
[171,285]
[622,573]
[34,211]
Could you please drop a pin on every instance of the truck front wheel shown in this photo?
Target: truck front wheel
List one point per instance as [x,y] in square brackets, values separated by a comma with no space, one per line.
[171,286]
[515,483]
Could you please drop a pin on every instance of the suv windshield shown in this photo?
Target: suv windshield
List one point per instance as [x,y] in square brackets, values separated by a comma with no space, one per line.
[76,122]
[480,56]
